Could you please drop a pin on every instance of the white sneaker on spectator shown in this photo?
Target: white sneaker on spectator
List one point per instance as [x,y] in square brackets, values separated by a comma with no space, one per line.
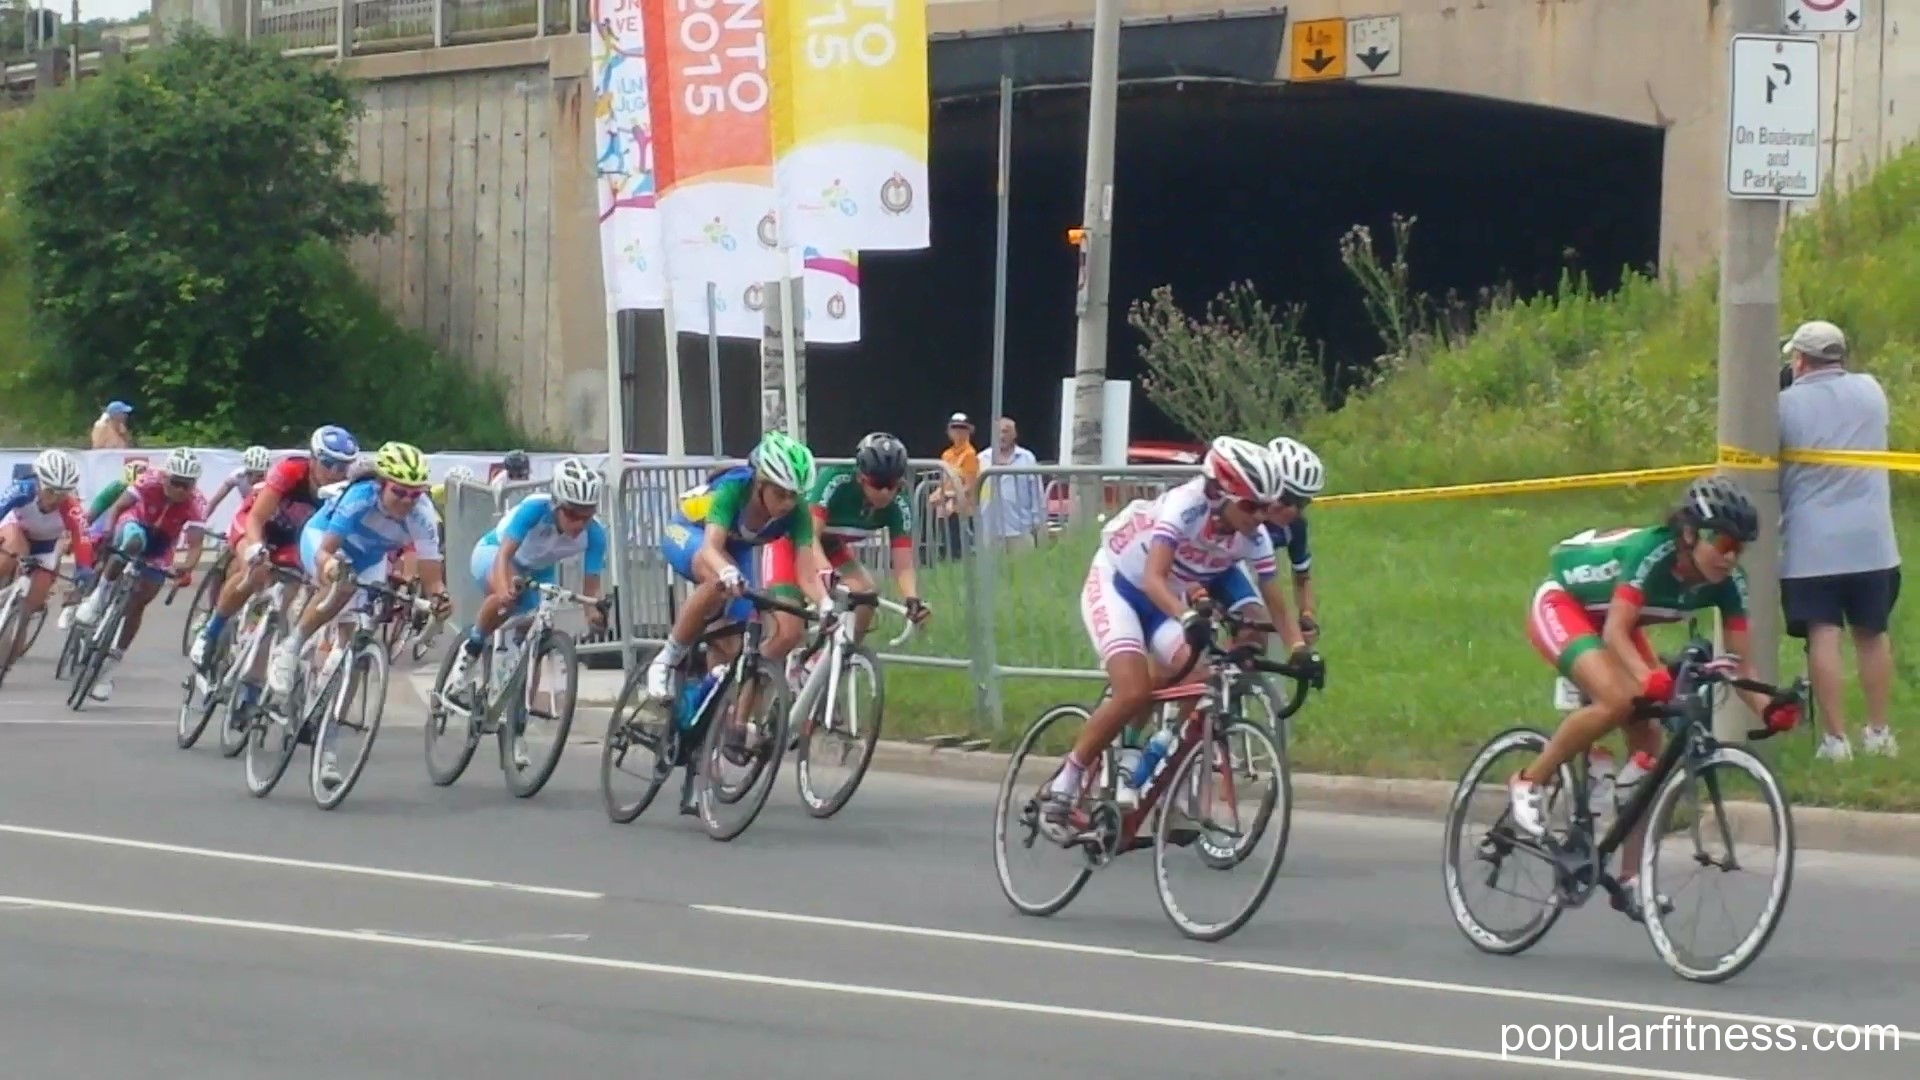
[1834,748]
[1879,741]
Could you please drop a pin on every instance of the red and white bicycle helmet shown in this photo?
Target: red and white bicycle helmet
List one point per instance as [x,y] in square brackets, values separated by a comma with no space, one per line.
[1243,469]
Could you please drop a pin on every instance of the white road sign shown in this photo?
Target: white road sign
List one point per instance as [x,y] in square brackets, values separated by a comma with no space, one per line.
[1773,117]
[1824,16]
[1373,47]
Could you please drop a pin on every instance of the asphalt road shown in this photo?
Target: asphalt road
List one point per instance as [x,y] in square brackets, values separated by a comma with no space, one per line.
[157,921]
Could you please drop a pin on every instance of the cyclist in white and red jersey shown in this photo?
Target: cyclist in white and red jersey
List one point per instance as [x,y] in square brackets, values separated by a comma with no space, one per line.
[253,469]
[34,514]
[1155,560]
[269,522]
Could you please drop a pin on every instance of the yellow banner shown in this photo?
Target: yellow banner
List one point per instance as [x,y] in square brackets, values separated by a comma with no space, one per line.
[850,118]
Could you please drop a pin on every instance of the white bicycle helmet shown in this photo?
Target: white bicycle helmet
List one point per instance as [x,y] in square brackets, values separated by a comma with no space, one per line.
[1300,468]
[575,483]
[256,459]
[183,464]
[459,474]
[56,469]
[1243,469]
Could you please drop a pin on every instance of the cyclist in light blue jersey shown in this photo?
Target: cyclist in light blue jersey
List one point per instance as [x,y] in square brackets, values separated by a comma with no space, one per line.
[530,542]
[351,538]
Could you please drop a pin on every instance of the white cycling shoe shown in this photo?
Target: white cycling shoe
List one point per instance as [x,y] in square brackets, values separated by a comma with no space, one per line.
[281,670]
[659,679]
[89,613]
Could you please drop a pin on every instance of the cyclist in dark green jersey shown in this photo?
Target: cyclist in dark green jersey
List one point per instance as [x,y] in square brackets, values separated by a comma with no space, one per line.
[853,503]
[1586,620]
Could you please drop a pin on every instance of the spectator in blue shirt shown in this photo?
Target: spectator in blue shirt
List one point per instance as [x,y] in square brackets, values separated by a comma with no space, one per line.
[1015,506]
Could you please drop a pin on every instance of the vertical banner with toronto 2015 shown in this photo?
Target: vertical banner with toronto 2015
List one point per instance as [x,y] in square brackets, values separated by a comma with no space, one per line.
[713,159]
[850,123]
[631,261]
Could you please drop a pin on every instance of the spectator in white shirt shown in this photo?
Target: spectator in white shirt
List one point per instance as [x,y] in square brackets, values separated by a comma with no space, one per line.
[1015,507]
[1839,563]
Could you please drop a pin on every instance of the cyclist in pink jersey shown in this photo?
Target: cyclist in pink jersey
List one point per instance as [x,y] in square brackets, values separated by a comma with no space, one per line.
[149,519]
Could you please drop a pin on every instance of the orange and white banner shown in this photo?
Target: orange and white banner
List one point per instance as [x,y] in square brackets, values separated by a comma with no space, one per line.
[850,122]
[633,269]
[711,96]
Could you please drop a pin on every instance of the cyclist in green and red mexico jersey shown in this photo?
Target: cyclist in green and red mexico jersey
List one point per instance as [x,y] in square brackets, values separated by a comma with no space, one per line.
[852,503]
[1586,620]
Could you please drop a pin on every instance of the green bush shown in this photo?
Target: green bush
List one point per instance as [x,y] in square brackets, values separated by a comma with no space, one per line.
[181,219]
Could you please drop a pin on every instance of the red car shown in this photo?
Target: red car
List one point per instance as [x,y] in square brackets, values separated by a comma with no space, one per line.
[1140,452]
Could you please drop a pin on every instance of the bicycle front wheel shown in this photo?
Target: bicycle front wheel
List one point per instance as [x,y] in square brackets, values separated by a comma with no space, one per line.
[1223,822]
[1690,841]
[841,734]
[754,743]
[550,682]
[357,710]
[9,614]
[204,599]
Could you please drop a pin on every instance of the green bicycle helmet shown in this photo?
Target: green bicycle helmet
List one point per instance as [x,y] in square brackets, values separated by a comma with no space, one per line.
[783,461]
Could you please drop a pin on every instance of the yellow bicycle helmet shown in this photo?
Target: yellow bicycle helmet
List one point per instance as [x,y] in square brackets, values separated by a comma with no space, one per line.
[401,463]
[131,471]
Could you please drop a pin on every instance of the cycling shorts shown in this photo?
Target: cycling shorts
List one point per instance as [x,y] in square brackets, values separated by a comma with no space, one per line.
[682,539]
[1562,631]
[480,565]
[1121,619]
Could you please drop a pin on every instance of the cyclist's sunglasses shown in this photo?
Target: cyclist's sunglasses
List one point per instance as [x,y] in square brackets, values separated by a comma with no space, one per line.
[1724,543]
[576,513]
[180,483]
[1298,502]
[402,491]
[879,484]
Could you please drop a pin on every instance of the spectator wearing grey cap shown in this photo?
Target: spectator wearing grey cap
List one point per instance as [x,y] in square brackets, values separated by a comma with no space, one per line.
[1839,563]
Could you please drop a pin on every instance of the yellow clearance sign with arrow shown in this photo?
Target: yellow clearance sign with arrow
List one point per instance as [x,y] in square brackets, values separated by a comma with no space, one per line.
[1319,51]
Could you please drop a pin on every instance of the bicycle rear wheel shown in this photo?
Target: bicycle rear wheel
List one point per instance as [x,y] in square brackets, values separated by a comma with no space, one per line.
[1706,823]
[1473,853]
[204,599]
[363,683]
[556,720]
[847,736]
[1203,810]
[636,746]
[271,744]
[9,613]
[95,648]
[765,744]
[1016,814]
[456,735]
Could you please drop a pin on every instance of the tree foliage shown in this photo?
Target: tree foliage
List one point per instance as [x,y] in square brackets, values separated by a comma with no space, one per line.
[184,216]
[1244,368]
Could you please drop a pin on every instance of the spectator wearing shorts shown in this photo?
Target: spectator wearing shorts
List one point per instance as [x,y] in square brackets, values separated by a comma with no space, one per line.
[1840,565]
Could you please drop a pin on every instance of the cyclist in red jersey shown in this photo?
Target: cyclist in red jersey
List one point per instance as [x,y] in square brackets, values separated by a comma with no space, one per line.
[267,526]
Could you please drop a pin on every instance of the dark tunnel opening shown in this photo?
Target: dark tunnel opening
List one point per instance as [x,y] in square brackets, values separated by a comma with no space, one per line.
[1215,182]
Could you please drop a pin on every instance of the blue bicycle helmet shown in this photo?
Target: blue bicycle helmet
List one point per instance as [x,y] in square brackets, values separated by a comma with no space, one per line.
[334,445]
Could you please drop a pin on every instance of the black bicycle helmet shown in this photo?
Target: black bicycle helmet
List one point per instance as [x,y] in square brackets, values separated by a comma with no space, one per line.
[517,465]
[881,457]
[1715,502]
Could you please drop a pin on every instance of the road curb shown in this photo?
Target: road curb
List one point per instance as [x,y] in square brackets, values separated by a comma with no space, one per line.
[1816,828]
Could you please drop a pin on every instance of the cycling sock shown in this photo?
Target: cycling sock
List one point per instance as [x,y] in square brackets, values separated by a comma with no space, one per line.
[673,652]
[1068,782]
[216,622]
[475,641]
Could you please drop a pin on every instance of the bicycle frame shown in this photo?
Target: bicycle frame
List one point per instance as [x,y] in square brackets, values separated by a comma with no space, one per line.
[825,676]
[530,628]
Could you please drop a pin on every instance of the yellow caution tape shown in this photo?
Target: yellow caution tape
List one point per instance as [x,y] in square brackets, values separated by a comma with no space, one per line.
[1893,460]
[1623,478]
[1732,457]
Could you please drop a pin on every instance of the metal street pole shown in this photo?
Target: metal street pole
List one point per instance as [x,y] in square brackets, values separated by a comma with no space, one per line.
[1749,391]
[1090,342]
[1003,182]
[713,364]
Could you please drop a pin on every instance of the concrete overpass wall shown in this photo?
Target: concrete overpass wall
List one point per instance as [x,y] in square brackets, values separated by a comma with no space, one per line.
[484,152]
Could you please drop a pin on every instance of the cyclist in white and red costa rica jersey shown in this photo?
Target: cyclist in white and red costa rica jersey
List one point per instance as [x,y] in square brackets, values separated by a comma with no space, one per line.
[1586,619]
[1154,560]
[269,522]
[149,519]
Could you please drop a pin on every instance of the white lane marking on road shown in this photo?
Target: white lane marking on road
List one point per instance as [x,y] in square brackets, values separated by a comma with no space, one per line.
[1395,981]
[301,864]
[16,721]
[1207,1027]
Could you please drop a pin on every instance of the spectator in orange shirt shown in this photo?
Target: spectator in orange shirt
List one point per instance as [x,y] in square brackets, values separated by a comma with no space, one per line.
[953,505]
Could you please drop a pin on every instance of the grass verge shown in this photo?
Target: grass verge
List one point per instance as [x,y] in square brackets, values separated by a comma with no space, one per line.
[1422,607]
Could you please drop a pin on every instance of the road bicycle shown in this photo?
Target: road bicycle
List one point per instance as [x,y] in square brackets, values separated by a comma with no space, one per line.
[1666,800]
[819,711]
[1105,827]
[519,647]
[238,660]
[87,648]
[13,607]
[207,597]
[700,727]
[315,709]
[409,629]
